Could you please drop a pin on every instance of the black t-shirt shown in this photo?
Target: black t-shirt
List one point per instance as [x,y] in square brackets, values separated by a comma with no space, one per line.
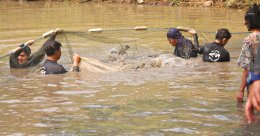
[185,49]
[214,52]
[52,67]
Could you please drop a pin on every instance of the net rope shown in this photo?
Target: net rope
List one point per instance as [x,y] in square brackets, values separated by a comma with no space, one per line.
[113,47]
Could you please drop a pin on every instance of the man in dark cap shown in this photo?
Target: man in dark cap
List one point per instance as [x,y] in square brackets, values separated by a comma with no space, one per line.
[21,57]
[184,48]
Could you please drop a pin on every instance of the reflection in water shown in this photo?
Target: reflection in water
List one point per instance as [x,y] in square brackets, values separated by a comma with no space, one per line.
[189,97]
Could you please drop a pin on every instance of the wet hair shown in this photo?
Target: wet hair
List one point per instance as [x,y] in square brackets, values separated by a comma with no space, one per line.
[174,34]
[223,33]
[252,17]
[26,50]
[51,46]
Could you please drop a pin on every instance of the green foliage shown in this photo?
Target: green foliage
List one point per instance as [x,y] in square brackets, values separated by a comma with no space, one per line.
[251,1]
[176,1]
[243,1]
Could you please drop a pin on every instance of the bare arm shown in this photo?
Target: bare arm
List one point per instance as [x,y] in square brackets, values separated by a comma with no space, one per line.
[76,62]
[240,93]
[28,43]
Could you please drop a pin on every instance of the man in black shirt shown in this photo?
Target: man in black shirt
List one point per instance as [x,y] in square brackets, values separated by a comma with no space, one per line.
[22,58]
[53,51]
[215,51]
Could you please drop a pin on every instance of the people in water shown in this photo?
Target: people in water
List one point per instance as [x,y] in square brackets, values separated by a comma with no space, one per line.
[249,49]
[22,58]
[215,51]
[184,47]
[53,52]
[249,61]
[212,52]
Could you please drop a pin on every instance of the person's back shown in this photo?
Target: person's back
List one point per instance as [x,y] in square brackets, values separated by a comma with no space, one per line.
[53,51]
[185,49]
[52,67]
[249,51]
[214,52]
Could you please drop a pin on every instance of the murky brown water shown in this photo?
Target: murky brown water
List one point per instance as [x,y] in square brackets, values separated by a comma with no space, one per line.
[190,98]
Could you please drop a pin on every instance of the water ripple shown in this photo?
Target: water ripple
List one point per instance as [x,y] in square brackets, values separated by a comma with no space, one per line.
[16,134]
[40,125]
[186,121]
[48,110]
[75,92]
[154,134]
[38,100]
[88,131]
[181,130]
[210,125]
[97,106]
[142,114]
[198,109]
[11,101]
[119,95]
[52,85]
[220,117]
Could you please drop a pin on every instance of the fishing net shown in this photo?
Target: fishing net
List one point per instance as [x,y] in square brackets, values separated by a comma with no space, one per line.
[104,51]
[107,51]
[101,52]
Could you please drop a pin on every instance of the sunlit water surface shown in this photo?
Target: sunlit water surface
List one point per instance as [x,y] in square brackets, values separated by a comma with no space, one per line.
[191,97]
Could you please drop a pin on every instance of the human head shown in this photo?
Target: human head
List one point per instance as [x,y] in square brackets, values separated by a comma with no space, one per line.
[252,17]
[52,49]
[24,55]
[174,36]
[223,35]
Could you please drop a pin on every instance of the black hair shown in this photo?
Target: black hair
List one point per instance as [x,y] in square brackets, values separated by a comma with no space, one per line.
[51,46]
[252,17]
[223,33]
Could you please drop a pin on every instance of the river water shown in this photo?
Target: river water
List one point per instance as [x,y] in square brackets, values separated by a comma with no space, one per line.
[190,98]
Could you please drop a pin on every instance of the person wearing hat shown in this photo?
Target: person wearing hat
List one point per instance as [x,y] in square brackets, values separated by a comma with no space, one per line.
[21,57]
[184,47]
[53,52]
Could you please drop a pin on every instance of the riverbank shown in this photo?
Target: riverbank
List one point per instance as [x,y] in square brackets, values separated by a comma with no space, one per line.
[240,4]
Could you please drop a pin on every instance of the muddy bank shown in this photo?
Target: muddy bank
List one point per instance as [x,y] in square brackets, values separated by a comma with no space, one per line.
[240,4]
